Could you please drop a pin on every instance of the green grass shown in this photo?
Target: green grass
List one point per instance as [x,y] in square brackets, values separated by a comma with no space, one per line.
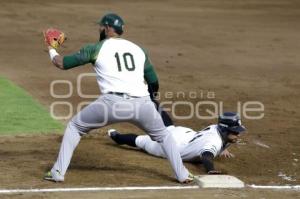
[21,114]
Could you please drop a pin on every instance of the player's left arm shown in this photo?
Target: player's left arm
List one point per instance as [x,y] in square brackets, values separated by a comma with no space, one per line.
[150,76]
[85,55]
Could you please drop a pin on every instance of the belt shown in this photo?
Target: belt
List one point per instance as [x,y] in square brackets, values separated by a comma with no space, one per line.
[124,95]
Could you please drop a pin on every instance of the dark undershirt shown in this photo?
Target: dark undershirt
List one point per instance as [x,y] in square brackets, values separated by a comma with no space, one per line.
[207,160]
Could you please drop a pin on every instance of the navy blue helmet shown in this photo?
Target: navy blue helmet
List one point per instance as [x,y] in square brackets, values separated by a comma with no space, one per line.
[231,122]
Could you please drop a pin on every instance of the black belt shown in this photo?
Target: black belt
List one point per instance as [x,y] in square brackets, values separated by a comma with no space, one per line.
[121,94]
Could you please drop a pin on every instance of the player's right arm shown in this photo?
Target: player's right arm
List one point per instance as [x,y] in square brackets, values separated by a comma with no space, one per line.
[150,77]
[87,54]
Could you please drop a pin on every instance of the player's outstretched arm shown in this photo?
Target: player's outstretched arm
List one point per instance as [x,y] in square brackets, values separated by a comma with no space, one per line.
[54,39]
[86,55]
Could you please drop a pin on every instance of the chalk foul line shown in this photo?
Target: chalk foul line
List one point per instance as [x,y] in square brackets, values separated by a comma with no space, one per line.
[296,187]
[96,189]
[86,189]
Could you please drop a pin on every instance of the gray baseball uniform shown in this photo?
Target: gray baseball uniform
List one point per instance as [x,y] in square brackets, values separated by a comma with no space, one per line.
[191,144]
[121,67]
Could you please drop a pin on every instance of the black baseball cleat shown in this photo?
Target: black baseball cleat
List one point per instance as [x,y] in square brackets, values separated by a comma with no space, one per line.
[113,133]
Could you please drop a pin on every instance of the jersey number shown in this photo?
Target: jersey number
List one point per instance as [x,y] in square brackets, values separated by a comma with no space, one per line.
[128,61]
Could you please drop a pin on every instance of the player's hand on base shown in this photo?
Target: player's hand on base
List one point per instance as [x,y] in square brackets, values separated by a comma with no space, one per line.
[227,154]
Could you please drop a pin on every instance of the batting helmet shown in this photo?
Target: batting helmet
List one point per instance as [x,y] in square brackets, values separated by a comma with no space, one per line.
[231,122]
[113,20]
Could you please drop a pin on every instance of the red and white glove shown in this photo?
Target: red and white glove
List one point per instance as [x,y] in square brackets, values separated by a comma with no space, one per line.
[54,37]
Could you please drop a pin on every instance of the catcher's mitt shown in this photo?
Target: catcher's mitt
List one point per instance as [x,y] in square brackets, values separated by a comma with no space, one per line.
[54,37]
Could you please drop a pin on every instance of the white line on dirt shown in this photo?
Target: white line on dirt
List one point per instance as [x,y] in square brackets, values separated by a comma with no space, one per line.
[85,189]
[96,189]
[293,187]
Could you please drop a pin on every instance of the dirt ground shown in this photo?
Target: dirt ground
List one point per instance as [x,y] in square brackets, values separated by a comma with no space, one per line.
[240,50]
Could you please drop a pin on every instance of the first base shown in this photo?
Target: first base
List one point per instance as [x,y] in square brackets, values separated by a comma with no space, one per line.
[218,181]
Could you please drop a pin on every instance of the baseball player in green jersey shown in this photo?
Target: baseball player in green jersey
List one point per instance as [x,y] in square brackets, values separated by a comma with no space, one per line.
[121,69]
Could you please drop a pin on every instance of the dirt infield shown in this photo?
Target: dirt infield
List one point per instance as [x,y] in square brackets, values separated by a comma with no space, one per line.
[240,50]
